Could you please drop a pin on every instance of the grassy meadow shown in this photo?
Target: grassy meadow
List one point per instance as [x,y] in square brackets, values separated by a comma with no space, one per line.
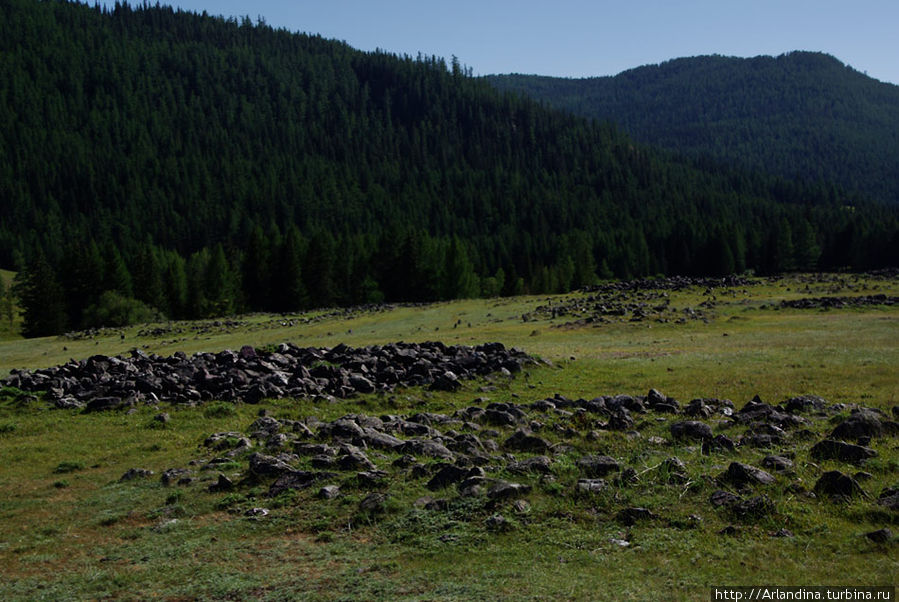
[70,529]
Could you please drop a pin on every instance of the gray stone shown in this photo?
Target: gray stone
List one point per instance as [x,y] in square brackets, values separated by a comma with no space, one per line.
[597,466]
[743,474]
[504,490]
[844,452]
[591,485]
[691,429]
[836,484]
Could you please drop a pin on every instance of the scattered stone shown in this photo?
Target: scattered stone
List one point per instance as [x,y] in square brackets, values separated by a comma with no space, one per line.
[521,506]
[837,485]
[328,492]
[538,464]
[777,463]
[889,498]
[591,485]
[173,475]
[844,452]
[741,475]
[724,498]
[267,466]
[861,423]
[136,473]
[880,536]
[256,512]
[374,503]
[297,479]
[674,470]
[691,429]
[631,516]
[446,476]
[222,484]
[504,490]
[523,441]
[753,508]
[597,466]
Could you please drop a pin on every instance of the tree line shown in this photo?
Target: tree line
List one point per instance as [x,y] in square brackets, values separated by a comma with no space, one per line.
[156,162]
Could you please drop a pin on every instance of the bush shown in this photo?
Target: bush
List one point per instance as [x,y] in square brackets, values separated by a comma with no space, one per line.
[66,467]
[114,309]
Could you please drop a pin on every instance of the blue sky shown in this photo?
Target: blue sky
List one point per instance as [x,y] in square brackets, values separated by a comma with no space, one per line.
[581,38]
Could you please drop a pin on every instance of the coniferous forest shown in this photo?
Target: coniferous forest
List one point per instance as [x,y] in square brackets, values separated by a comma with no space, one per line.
[157,162]
[799,115]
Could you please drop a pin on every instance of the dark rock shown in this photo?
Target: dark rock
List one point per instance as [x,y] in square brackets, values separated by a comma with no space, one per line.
[539,464]
[173,475]
[371,478]
[102,404]
[374,503]
[523,441]
[498,522]
[136,473]
[777,463]
[448,381]
[724,498]
[783,533]
[880,536]
[222,484]
[698,408]
[861,423]
[673,470]
[375,438]
[472,486]
[631,516]
[628,476]
[889,498]
[267,466]
[425,447]
[504,490]
[446,476]
[354,459]
[591,485]
[743,474]
[691,429]
[718,443]
[620,420]
[597,466]
[844,452]
[836,484]
[404,461]
[297,479]
[753,508]
[805,403]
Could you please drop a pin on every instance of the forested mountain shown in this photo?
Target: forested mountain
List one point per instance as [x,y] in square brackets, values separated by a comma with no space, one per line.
[157,160]
[799,115]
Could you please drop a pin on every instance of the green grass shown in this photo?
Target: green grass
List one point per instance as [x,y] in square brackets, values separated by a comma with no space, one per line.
[80,533]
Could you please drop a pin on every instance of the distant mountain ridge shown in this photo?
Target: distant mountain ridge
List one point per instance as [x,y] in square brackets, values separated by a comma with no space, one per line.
[799,115]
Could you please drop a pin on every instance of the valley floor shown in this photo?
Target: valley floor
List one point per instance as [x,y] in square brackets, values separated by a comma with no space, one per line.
[541,526]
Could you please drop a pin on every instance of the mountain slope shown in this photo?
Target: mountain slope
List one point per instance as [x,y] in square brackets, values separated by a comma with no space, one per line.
[800,115]
[159,159]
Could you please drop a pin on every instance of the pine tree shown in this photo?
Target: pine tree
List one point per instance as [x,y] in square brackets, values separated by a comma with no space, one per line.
[41,298]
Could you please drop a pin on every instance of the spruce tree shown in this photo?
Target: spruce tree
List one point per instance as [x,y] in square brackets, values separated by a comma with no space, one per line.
[41,298]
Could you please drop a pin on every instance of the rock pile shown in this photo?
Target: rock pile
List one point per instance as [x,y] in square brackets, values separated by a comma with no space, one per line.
[839,302]
[500,453]
[250,375]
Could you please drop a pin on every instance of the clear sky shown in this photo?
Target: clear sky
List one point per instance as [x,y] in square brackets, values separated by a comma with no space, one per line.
[583,38]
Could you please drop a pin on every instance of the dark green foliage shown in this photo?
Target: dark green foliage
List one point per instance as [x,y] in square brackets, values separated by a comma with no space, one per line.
[114,309]
[799,115]
[204,166]
[41,296]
